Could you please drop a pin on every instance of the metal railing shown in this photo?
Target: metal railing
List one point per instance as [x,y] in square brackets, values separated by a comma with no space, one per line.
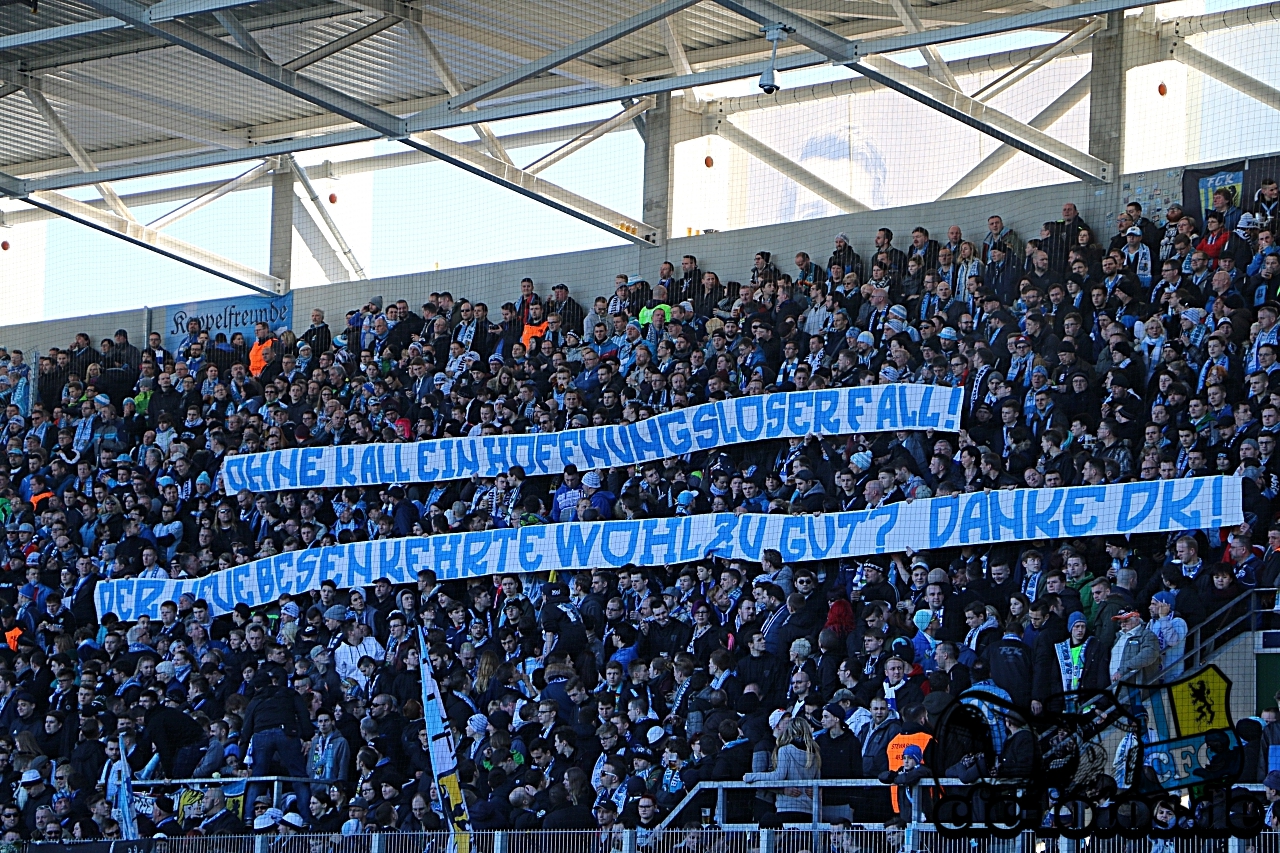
[702,837]
[814,787]
[1213,633]
[215,781]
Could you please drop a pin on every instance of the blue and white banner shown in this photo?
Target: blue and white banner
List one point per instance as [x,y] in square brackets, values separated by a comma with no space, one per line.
[971,519]
[838,411]
[228,316]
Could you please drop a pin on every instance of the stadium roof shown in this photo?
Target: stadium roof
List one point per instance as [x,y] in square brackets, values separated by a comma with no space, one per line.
[105,90]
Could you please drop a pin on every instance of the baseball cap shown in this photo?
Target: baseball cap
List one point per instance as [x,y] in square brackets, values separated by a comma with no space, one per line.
[1128,614]
[1133,231]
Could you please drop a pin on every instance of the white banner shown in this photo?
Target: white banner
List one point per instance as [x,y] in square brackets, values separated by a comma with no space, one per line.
[971,519]
[837,411]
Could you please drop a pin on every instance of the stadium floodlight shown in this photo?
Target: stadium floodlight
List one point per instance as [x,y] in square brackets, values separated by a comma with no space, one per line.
[774,33]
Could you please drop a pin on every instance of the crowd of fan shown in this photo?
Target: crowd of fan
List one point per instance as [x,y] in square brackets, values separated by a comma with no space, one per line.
[602,699]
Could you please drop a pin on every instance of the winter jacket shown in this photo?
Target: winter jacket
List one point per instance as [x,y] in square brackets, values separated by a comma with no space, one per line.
[841,759]
[791,768]
[875,746]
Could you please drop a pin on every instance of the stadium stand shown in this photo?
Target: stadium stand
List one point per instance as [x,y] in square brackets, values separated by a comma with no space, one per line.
[1089,353]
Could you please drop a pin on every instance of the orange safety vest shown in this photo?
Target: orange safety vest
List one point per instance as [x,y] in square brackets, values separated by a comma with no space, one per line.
[896,747]
[256,360]
[532,331]
[11,637]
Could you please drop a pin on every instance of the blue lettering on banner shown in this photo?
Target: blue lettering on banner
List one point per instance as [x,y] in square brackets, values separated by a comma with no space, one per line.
[1002,521]
[594,454]
[345,472]
[1178,513]
[721,545]
[618,440]
[529,537]
[1128,516]
[940,532]
[975,526]
[706,428]
[826,413]
[690,550]
[890,515]
[659,541]
[887,411]
[751,419]
[831,412]
[677,438]
[574,542]
[1043,520]
[928,419]
[793,544]
[971,519]
[822,535]
[1075,507]
[627,534]
[861,398]
[446,554]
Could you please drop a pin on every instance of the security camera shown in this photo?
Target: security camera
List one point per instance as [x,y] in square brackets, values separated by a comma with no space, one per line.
[768,83]
[774,33]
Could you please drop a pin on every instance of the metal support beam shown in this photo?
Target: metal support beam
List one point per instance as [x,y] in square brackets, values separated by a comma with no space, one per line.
[996,63]
[332,227]
[1243,83]
[122,106]
[659,180]
[324,51]
[679,62]
[992,26]
[589,136]
[211,196]
[533,187]
[937,67]
[241,60]
[1107,101]
[788,167]
[176,195]
[487,38]
[1044,120]
[1040,60]
[558,57]
[979,116]
[155,241]
[157,158]
[240,35]
[930,92]
[77,152]
[451,84]
[167,10]
[282,197]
